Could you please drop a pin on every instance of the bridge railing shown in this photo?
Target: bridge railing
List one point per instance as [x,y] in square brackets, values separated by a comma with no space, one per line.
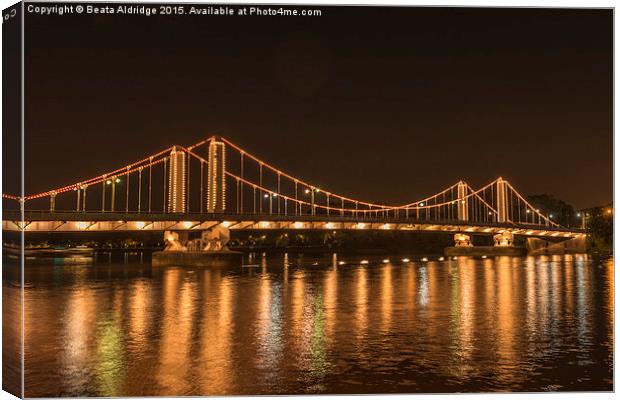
[307,221]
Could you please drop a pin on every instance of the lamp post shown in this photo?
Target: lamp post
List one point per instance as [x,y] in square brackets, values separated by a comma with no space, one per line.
[84,197]
[584,218]
[113,182]
[53,201]
[311,193]
[104,183]
[113,194]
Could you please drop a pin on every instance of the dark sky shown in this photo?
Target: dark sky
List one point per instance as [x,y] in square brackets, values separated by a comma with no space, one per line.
[382,104]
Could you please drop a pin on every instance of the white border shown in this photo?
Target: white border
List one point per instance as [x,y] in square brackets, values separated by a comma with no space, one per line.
[445,3]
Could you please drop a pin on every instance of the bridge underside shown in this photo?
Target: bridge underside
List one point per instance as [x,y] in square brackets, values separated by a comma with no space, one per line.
[85,222]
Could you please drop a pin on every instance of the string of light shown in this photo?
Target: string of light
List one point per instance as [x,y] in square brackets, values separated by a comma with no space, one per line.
[100,178]
[412,206]
[378,207]
[432,202]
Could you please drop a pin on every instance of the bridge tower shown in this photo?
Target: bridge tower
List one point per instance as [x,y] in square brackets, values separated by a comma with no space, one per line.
[463,203]
[502,200]
[176,181]
[216,176]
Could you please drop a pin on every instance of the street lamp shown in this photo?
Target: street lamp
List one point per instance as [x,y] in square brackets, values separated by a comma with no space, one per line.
[583,220]
[114,181]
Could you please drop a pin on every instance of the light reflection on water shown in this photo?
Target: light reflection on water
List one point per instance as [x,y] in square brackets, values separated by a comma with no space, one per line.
[503,324]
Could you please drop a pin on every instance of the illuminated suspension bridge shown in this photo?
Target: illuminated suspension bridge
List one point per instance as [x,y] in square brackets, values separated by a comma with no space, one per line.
[216,183]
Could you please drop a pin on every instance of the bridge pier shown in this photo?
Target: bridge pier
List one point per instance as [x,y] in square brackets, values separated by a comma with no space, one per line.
[462,240]
[213,239]
[209,250]
[503,246]
[504,239]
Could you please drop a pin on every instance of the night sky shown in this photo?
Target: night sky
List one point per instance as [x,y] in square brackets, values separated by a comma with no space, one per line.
[380,104]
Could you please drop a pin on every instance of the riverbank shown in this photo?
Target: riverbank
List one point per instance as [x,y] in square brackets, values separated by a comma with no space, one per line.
[273,241]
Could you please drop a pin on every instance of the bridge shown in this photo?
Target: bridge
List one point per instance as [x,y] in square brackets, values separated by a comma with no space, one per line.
[216,183]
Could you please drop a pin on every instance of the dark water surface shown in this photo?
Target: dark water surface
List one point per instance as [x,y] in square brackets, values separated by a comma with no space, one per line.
[288,326]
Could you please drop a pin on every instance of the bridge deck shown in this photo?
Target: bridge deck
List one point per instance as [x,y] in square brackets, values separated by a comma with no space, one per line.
[45,221]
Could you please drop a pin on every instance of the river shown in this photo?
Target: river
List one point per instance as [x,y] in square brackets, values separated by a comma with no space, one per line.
[316,324]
